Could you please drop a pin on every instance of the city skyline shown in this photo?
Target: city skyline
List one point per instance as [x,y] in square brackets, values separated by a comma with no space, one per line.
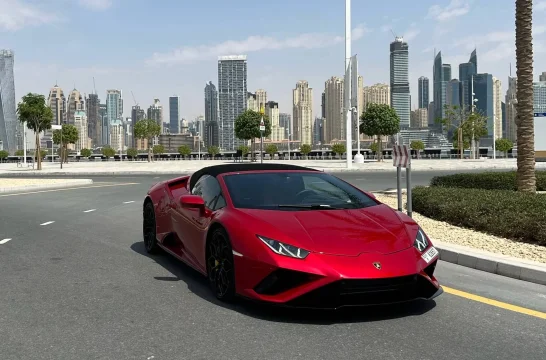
[277,58]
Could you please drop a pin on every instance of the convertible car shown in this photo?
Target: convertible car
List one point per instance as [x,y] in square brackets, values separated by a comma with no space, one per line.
[290,236]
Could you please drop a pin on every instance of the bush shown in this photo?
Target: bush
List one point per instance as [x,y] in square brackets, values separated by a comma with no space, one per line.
[510,214]
[486,180]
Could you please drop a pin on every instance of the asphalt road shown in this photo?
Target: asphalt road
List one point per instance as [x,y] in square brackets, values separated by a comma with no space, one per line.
[76,283]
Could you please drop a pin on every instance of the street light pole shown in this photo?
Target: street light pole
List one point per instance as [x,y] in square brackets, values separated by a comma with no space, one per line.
[347,85]
[24,145]
[198,145]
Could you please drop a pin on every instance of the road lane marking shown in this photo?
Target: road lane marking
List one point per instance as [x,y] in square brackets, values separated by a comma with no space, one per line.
[90,210]
[496,303]
[47,223]
[128,202]
[65,189]
[2,242]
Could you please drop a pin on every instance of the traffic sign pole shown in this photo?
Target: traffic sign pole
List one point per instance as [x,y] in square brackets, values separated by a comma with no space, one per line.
[262,129]
[402,159]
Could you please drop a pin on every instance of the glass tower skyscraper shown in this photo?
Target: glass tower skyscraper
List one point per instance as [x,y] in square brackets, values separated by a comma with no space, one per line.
[400,91]
[8,113]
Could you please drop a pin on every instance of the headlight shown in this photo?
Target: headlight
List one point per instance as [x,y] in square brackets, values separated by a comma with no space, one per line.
[421,242]
[284,249]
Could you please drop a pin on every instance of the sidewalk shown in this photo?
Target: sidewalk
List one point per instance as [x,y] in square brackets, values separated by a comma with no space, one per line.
[11,186]
[176,167]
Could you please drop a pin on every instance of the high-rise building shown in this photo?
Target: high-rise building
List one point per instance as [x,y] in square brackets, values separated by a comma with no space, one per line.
[323,105]
[400,90]
[285,121]
[376,94]
[117,135]
[57,103]
[483,88]
[302,113]
[75,103]
[334,123]
[423,97]
[419,118]
[211,136]
[103,115]
[497,108]
[174,114]
[510,105]
[440,83]
[542,77]
[261,98]
[8,113]
[232,98]
[114,108]
[453,93]
[155,112]
[137,114]
[539,96]
[94,128]
[80,122]
[318,131]
[251,103]
[466,71]
[272,112]
[356,115]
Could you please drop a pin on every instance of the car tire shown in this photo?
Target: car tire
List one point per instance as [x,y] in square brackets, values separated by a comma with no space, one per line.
[220,266]
[149,229]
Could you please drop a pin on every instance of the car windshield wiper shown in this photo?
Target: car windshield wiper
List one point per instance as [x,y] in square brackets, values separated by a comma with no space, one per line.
[310,206]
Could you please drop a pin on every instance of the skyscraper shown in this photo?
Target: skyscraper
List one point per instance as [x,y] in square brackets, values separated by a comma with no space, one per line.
[497,107]
[174,114]
[441,77]
[285,121]
[453,92]
[232,96]
[423,98]
[334,124]
[211,136]
[399,71]
[302,113]
[75,103]
[8,112]
[466,71]
[510,106]
[483,88]
[114,110]
[94,127]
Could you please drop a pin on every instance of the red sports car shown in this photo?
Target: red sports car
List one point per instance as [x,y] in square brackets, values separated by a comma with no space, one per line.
[291,236]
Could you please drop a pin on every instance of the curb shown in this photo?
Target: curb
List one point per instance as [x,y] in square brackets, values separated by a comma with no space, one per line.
[498,264]
[30,188]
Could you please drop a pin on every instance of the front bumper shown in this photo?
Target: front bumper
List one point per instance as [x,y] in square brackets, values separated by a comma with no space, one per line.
[331,282]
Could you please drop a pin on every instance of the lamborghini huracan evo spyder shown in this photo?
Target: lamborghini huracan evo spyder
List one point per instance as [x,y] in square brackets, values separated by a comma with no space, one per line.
[291,236]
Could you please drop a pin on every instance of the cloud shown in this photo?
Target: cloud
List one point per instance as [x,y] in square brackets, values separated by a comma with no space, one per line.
[411,33]
[96,4]
[190,54]
[495,37]
[17,14]
[455,9]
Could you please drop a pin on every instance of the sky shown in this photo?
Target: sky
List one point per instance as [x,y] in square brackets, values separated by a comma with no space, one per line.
[156,49]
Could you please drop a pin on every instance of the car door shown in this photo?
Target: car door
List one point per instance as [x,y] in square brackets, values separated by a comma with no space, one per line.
[195,222]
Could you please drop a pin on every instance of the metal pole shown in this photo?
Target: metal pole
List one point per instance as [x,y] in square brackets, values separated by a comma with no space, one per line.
[347,84]
[24,145]
[494,138]
[408,188]
[199,146]
[399,187]
[62,147]
[262,147]
[472,147]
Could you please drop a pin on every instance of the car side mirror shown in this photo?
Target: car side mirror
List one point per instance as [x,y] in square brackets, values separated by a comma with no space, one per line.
[192,201]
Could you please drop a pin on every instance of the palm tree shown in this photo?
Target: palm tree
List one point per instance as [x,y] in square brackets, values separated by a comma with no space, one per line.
[524,119]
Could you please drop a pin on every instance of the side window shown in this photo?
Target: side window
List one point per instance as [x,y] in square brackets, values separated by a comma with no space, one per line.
[209,189]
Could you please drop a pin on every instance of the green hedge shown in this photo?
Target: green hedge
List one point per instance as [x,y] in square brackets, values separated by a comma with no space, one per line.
[486,180]
[509,214]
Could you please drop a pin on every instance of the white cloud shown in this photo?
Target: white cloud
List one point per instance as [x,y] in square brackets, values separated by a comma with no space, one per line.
[96,4]
[17,14]
[455,9]
[189,54]
[411,33]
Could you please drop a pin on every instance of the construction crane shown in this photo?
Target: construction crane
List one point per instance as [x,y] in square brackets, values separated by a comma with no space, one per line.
[136,103]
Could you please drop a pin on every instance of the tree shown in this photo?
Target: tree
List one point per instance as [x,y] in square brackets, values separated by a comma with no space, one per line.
[379,120]
[475,127]
[244,150]
[69,136]
[133,153]
[526,179]
[184,150]
[213,151]
[147,129]
[108,152]
[3,155]
[339,149]
[247,126]
[418,146]
[305,149]
[455,119]
[85,152]
[374,147]
[33,112]
[19,153]
[504,145]
[158,149]
[271,149]
[466,145]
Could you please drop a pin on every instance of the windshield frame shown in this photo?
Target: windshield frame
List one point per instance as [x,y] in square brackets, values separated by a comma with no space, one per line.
[365,199]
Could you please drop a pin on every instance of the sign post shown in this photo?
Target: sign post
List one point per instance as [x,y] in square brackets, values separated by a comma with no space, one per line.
[57,127]
[262,129]
[402,159]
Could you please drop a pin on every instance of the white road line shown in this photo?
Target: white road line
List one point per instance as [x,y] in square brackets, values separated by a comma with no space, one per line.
[47,223]
[2,242]
[90,210]
[128,202]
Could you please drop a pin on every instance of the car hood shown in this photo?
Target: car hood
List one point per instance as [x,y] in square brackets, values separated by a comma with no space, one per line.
[337,232]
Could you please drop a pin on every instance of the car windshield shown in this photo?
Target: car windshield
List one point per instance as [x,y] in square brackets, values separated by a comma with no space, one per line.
[294,191]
